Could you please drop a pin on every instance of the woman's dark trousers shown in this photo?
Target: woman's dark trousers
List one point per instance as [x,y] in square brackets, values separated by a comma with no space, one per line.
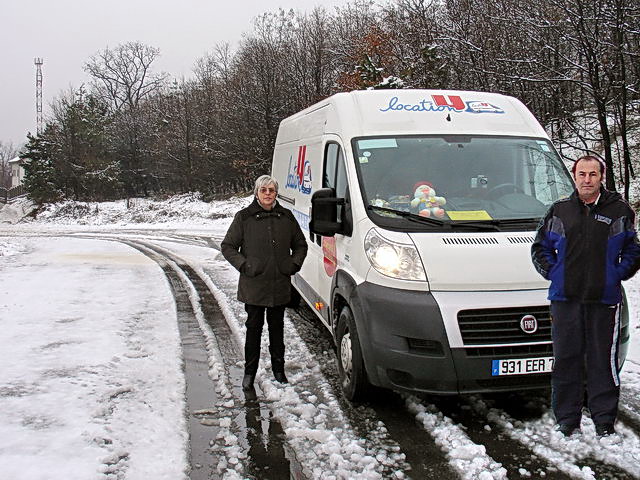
[255,321]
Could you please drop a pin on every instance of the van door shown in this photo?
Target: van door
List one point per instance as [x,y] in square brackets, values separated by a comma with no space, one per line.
[334,175]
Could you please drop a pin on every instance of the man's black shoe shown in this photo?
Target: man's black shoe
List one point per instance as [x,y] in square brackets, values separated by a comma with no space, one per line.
[247,382]
[280,377]
[605,429]
[567,430]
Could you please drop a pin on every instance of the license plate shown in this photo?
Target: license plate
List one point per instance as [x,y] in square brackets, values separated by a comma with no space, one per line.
[521,366]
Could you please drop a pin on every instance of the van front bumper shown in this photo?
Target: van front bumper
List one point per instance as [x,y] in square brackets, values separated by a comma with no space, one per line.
[405,347]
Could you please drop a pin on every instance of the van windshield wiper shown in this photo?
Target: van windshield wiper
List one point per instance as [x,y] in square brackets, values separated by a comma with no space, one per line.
[495,224]
[479,224]
[408,215]
[520,221]
[492,224]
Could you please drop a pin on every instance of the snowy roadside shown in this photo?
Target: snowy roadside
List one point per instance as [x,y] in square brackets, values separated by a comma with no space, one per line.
[91,384]
[121,384]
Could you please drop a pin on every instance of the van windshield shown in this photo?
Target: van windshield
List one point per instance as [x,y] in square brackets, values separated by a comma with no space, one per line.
[463,181]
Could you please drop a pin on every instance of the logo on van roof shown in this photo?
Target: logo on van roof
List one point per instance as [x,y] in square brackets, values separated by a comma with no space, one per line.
[299,176]
[442,103]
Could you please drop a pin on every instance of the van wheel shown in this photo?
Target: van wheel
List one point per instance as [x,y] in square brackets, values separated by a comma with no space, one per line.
[353,375]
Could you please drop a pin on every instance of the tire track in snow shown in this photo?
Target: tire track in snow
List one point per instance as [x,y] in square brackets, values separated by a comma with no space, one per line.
[233,414]
[201,395]
[517,459]
[322,436]
[426,460]
[582,456]
[323,444]
[469,459]
[629,409]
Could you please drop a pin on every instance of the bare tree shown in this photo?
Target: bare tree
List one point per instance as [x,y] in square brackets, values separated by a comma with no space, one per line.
[122,76]
[624,23]
[592,57]
[415,27]
[311,67]
[7,152]
[575,63]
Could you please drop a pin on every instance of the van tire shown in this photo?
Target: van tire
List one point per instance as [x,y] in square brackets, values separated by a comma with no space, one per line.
[353,376]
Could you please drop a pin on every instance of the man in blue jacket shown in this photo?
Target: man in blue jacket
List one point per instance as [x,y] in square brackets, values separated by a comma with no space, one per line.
[586,245]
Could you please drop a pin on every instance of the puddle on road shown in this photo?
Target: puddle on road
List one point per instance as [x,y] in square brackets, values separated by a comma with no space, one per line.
[260,434]
[264,441]
[200,393]
[125,258]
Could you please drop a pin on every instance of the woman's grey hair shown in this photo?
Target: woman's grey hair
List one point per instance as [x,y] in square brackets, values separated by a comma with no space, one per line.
[263,181]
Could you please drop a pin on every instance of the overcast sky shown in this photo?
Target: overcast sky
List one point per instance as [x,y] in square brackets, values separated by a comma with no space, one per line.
[65,33]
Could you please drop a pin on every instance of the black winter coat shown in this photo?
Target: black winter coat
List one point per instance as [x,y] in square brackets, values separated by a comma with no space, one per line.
[266,247]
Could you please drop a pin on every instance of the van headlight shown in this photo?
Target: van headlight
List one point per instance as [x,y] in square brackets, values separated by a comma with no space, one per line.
[397,260]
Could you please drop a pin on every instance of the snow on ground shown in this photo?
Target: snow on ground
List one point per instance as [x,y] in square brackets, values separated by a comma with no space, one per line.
[91,383]
[14,212]
[630,376]
[469,459]
[180,208]
[92,359]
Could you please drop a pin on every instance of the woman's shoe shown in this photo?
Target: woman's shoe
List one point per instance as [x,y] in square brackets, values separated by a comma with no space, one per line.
[280,377]
[247,382]
[605,429]
[567,429]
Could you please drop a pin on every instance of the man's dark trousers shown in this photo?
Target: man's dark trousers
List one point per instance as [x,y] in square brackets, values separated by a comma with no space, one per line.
[255,321]
[585,336]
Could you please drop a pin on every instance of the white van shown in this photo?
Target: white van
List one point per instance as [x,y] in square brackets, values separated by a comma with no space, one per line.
[420,208]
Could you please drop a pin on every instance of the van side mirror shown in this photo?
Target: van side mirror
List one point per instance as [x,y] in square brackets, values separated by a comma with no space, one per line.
[324,212]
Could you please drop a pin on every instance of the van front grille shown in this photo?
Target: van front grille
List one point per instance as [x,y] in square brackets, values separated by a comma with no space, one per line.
[488,326]
[511,351]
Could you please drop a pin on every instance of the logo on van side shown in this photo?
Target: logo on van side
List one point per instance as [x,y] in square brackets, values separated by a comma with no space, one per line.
[440,103]
[299,176]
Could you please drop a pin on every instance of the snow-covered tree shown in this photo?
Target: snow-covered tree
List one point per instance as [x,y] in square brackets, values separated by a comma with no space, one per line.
[71,157]
[41,180]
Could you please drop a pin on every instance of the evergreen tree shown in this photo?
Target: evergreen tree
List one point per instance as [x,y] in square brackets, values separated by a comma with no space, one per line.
[41,178]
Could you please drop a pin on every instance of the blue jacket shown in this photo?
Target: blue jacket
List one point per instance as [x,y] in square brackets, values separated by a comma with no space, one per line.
[587,250]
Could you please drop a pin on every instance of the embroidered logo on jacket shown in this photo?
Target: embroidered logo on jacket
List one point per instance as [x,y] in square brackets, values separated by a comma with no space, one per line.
[603,219]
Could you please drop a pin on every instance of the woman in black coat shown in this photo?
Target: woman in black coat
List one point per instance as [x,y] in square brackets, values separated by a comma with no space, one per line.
[266,245]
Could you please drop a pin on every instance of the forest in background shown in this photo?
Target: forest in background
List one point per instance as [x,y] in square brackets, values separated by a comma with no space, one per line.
[136,132]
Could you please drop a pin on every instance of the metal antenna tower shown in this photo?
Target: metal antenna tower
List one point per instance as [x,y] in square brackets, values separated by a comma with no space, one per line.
[38,63]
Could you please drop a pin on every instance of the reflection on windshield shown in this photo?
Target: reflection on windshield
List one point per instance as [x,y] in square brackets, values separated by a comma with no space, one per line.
[461,178]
